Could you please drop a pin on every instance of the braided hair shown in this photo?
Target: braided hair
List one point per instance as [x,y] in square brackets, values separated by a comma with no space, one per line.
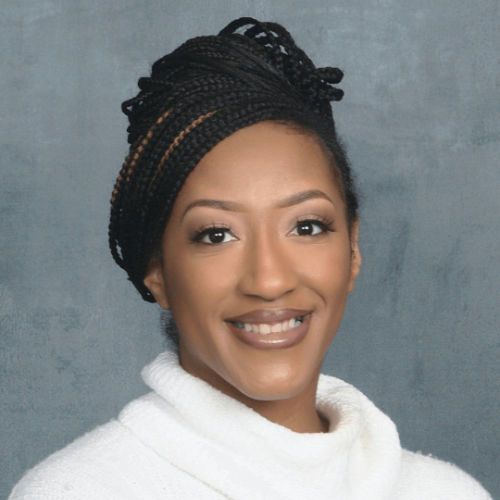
[197,95]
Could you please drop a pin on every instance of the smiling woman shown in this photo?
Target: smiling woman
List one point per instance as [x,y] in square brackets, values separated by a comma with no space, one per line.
[236,211]
[258,286]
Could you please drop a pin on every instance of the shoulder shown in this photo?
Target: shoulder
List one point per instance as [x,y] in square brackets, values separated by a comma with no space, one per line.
[423,476]
[92,466]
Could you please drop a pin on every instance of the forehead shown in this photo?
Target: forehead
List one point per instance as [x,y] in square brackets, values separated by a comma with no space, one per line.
[266,161]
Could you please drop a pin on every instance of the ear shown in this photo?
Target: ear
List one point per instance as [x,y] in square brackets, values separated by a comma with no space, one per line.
[155,282]
[356,258]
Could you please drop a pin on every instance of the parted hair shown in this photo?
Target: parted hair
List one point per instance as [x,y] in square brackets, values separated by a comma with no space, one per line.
[202,92]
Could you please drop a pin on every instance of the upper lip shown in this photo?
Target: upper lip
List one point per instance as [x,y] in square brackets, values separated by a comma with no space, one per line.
[268,315]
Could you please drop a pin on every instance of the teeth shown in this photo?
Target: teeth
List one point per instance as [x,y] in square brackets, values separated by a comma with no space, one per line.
[266,329]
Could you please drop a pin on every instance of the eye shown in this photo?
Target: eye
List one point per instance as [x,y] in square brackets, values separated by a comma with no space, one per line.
[214,235]
[309,227]
[217,234]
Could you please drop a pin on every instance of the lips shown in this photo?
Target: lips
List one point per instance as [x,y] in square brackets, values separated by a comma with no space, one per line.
[268,315]
[271,340]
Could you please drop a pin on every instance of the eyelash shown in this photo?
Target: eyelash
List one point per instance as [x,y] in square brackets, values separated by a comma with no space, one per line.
[324,223]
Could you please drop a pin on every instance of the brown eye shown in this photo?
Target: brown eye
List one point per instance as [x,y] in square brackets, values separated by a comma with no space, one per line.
[216,235]
[211,236]
[309,227]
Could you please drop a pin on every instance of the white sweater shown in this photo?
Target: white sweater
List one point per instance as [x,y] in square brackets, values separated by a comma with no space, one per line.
[188,440]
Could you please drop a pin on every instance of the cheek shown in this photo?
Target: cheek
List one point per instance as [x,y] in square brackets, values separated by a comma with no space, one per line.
[327,268]
[198,283]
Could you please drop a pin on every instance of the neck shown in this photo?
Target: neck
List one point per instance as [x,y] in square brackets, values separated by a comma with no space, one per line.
[298,413]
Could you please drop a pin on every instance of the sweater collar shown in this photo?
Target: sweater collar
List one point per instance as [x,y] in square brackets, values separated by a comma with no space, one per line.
[241,454]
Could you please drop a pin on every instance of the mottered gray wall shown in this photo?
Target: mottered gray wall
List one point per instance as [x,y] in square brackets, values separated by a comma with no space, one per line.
[421,119]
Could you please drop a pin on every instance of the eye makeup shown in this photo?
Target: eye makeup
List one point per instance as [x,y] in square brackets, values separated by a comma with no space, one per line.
[218,230]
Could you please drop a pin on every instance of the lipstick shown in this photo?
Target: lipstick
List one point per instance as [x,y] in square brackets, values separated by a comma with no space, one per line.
[252,335]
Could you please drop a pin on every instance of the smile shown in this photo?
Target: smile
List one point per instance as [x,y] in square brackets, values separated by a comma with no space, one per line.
[268,328]
[272,335]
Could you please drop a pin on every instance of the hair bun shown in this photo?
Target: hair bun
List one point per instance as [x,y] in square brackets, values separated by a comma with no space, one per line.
[314,84]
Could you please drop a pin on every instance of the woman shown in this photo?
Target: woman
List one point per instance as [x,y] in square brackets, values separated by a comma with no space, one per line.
[236,211]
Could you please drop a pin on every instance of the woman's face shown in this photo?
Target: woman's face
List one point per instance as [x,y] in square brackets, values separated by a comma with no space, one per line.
[275,239]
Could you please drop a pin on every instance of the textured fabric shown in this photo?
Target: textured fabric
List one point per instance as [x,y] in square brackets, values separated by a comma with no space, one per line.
[186,439]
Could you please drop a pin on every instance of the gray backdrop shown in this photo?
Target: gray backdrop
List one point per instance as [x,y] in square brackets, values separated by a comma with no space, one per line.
[421,122]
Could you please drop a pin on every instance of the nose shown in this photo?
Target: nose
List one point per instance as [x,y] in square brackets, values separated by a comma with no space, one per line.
[266,270]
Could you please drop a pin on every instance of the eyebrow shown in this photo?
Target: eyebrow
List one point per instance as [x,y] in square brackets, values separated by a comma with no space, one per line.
[234,206]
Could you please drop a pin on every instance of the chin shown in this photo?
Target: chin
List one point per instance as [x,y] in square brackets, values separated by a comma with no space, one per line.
[282,384]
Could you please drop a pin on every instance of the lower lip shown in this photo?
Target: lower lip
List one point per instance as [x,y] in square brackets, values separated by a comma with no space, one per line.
[276,340]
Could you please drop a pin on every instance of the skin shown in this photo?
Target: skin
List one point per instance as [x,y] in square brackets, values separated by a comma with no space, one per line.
[263,262]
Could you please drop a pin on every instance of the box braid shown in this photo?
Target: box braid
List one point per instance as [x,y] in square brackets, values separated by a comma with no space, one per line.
[197,95]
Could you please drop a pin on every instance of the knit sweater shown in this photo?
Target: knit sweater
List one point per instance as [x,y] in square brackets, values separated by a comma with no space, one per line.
[187,440]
